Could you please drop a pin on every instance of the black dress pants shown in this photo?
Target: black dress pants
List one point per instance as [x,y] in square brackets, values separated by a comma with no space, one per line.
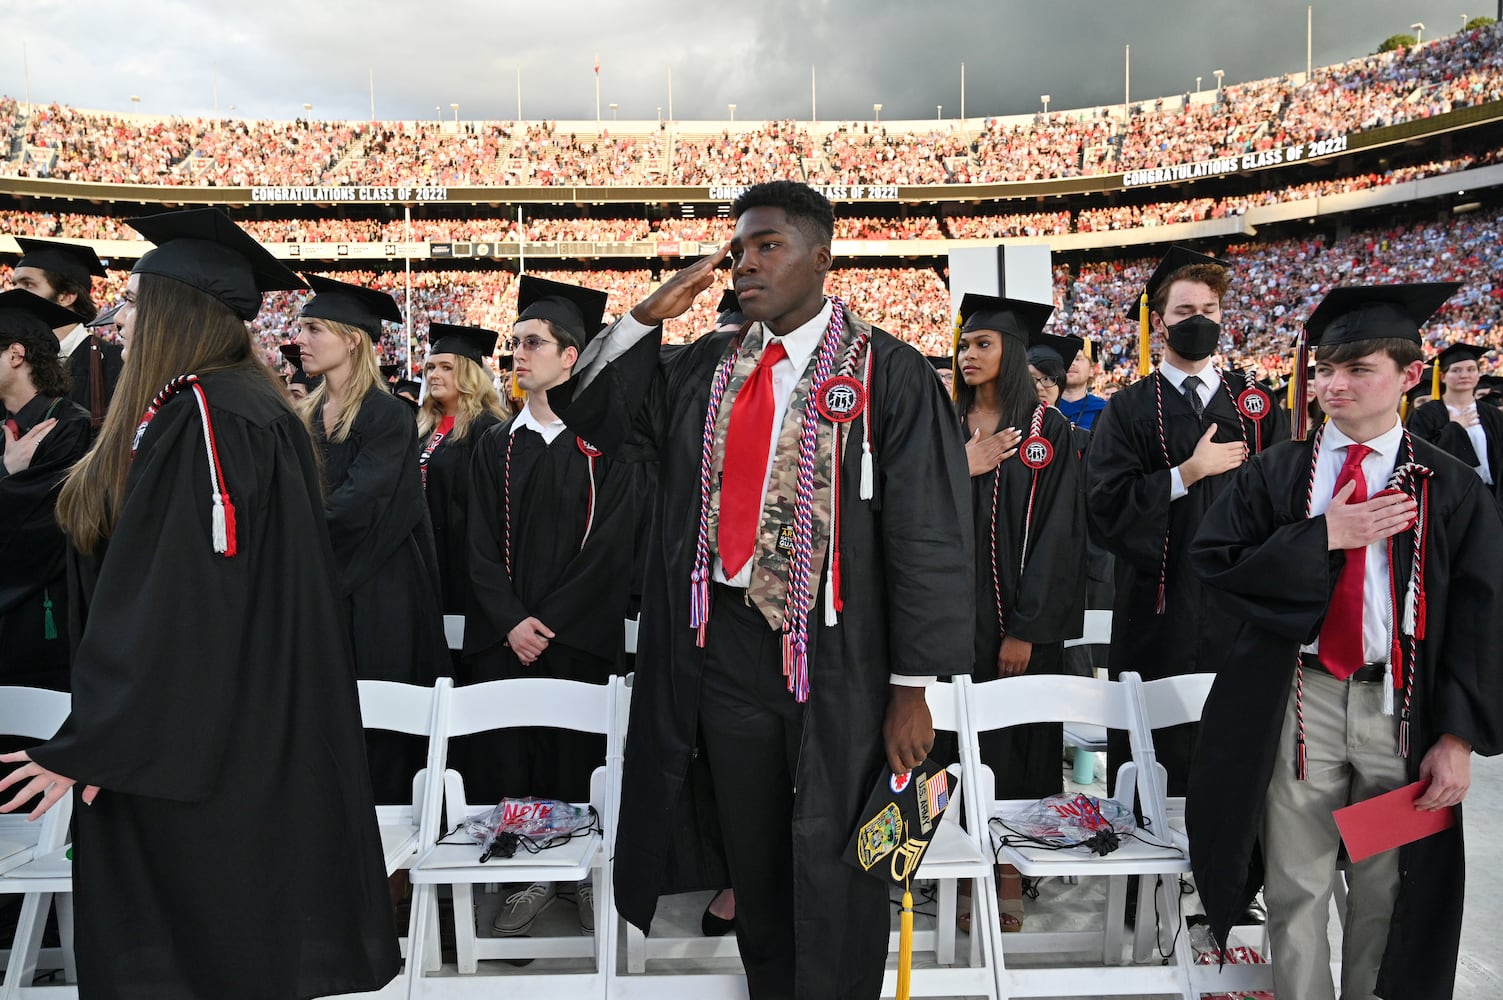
[752,730]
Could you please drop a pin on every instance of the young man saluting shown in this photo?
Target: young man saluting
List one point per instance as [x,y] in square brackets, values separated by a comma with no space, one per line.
[1362,565]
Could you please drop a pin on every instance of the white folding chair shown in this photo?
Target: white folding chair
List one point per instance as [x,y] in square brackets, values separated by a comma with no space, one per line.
[1086,739]
[454,631]
[454,861]
[34,857]
[1050,698]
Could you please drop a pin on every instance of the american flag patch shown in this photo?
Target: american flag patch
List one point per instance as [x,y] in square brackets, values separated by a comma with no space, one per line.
[938,792]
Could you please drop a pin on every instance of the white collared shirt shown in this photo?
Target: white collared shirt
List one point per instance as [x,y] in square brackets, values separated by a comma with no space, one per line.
[1210,381]
[1377,467]
[69,344]
[1477,434]
[527,419]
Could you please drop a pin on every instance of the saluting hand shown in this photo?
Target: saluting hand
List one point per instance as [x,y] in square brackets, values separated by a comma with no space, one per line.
[19,451]
[1358,525]
[983,454]
[50,785]
[677,294]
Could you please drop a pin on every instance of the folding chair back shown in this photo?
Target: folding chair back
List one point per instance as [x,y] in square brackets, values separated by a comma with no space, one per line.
[1097,630]
[530,701]
[454,631]
[32,713]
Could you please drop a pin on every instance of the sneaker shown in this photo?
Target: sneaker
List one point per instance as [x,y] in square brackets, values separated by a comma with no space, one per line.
[522,909]
[584,898]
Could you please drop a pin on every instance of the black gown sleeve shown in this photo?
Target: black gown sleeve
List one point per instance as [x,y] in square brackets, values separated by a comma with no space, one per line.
[1432,422]
[1050,602]
[31,543]
[149,716]
[624,409]
[926,525]
[1274,571]
[1128,504]
[496,606]
[385,438]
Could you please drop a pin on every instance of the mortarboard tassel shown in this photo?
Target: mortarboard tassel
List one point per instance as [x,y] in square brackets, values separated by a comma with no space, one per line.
[1435,378]
[1145,356]
[1299,411]
[905,944]
[49,626]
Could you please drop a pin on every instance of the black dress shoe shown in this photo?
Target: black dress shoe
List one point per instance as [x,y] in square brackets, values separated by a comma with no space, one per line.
[1256,913]
[713,926]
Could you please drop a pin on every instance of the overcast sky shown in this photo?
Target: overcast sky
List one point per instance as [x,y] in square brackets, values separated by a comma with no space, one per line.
[271,57]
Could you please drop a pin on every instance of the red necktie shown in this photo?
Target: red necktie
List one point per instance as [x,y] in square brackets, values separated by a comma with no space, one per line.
[15,428]
[748,441]
[1341,646]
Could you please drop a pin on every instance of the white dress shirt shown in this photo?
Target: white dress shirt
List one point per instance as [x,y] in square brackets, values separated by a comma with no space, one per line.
[1478,436]
[549,431]
[1210,381]
[69,344]
[1377,467]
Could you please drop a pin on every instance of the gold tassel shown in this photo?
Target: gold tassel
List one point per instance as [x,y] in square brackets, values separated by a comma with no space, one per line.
[955,362]
[1435,379]
[1404,408]
[1145,356]
[905,944]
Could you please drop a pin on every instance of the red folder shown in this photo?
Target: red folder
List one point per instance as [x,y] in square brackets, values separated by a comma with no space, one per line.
[1388,821]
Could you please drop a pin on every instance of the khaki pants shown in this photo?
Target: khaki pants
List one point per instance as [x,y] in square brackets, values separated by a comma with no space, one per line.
[1351,756]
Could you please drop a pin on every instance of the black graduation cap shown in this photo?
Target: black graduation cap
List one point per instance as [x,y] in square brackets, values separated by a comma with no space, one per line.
[506,362]
[202,248]
[897,823]
[1491,388]
[1053,350]
[1459,352]
[24,313]
[941,362]
[473,342]
[1013,317]
[293,355]
[1375,312]
[1176,258]
[72,260]
[106,318]
[577,311]
[728,312]
[406,385]
[390,374]
[352,305]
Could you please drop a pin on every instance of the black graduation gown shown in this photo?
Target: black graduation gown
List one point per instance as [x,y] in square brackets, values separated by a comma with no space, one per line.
[572,526]
[1432,421]
[111,361]
[448,493]
[1042,594]
[1127,499]
[907,579]
[233,851]
[385,567]
[33,567]
[1266,565]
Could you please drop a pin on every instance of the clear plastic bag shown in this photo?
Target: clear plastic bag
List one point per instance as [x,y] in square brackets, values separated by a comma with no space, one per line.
[1069,819]
[536,823]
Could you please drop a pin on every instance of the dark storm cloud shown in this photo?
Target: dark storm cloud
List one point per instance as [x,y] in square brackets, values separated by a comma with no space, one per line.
[270,58]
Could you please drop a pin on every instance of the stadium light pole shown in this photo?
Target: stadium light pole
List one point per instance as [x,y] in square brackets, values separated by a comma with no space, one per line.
[456,113]
[877,111]
[1197,83]
[1309,37]
[1045,99]
[813,93]
[939,112]
[732,109]
[614,105]
[1218,74]
[962,87]
[1463,23]
[519,93]
[1418,27]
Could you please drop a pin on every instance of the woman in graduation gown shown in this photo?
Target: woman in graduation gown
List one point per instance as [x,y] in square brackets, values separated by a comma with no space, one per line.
[1457,423]
[462,404]
[225,844]
[384,557]
[1030,533]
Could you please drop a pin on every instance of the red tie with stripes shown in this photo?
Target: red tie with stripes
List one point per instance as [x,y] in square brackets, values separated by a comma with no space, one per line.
[747,441]
[1341,646]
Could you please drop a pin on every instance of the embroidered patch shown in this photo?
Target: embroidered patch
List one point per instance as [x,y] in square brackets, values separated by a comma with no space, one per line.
[879,836]
[900,782]
[1254,403]
[587,448]
[785,539]
[926,817]
[1036,452]
[841,399]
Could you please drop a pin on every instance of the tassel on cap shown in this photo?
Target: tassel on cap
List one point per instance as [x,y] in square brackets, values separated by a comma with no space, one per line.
[905,945]
[1145,355]
[1435,378]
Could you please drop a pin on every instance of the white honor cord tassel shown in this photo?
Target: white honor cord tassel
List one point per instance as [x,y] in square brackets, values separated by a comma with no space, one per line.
[831,617]
[866,434]
[1411,602]
[1388,689]
[866,469]
[218,528]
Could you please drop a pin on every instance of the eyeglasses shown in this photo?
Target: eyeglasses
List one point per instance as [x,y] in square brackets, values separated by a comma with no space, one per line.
[1045,381]
[529,343]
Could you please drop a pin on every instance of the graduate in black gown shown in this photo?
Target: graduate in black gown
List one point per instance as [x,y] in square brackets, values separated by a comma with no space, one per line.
[384,556]
[63,273]
[793,756]
[1030,534]
[299,382]
[45,433]
[1457,423]
[1157,460]
[1413,667]
[225,845]
[462,404]
[552,524]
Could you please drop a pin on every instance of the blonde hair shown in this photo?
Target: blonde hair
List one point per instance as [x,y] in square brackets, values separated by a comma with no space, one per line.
[477,395]
[365,375]
[178,330]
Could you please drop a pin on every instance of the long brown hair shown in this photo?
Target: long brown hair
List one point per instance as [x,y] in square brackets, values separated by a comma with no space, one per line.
[477,395]
[364,376]
[178,330]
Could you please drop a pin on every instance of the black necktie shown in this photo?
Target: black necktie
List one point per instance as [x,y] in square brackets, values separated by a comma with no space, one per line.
[1191,388]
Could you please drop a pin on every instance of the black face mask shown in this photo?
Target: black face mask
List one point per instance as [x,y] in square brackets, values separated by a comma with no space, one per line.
[1194,339]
